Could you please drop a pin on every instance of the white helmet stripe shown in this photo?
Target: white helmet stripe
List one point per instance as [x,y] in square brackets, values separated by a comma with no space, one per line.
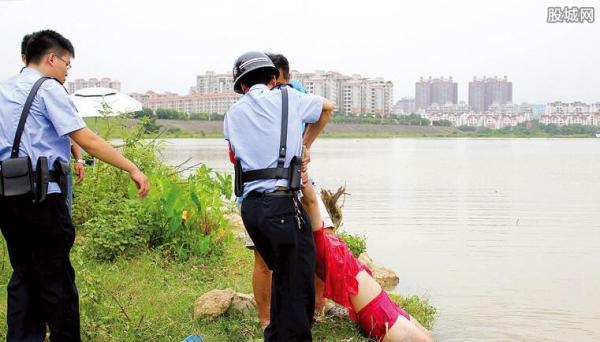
[253,60]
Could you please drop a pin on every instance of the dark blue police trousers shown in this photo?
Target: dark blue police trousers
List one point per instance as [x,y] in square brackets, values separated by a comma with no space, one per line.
[289,251]
[41,290]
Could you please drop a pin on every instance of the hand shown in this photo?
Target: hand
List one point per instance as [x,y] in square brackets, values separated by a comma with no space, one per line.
[305,159]
[141,181]
[304,166]
[79,170]
[304,177]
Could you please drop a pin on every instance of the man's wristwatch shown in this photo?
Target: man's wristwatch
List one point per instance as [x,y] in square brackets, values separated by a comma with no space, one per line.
[80,161]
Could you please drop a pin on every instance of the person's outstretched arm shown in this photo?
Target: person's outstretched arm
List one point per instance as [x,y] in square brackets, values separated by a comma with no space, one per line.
[97,147]
[77,166]
[313,130]
[309,195]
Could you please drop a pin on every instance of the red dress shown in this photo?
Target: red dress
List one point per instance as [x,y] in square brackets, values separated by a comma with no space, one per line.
[337,267]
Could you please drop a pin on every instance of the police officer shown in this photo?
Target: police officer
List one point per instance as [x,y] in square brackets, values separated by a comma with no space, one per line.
[78,166]
[271,212]
[39,236]
[261,275]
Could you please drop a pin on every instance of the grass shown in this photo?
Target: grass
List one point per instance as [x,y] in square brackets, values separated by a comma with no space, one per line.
[150,298]
[113,127]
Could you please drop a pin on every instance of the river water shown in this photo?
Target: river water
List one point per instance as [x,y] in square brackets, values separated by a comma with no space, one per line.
[502,235]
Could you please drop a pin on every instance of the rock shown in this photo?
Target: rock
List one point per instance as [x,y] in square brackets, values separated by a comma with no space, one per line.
[366,260]
[238,234]
[242,303]
[236,219]
[237,226]
[384,276]
[213,303]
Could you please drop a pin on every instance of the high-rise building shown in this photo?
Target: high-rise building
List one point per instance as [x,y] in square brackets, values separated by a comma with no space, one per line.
[352,95]
[422,94]
[438,91]
[104,82]
[211,83]
[444,91]
[326,84]
[215,103]
[405,106]
[486,91]
[477,96]
[213,93]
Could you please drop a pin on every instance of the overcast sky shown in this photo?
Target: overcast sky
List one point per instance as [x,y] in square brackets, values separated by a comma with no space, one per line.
[163,45]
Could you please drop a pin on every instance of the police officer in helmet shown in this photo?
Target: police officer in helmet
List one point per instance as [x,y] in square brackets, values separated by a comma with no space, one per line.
[264,129]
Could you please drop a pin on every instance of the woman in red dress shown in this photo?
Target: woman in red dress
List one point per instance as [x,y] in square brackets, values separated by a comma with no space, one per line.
[350,284]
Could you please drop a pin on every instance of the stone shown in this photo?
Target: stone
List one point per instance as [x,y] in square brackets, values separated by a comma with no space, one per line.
[237,226]
[213,303]
[366,260]
[242,303]
[384,276]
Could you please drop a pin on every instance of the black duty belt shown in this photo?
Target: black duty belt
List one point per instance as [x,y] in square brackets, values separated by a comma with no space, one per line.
[277,193]
[276,173]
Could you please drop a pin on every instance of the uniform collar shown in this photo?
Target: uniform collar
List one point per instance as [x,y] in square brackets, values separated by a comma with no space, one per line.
[258,86]
[28,70]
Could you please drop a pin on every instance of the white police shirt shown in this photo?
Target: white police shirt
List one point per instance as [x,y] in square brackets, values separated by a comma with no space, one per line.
[51,118]
[253,128]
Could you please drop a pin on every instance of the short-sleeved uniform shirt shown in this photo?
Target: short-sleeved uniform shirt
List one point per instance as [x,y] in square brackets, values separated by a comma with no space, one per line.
[253,128]
[51,118]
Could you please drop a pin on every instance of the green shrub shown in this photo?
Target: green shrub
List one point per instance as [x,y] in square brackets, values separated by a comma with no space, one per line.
[114,234]
[181,216]
[174,130]
[185,218]
[442,123]
[148,124]
[356,243]
[417,307]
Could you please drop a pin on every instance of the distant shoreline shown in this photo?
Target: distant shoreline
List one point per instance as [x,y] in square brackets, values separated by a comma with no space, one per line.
[214,129]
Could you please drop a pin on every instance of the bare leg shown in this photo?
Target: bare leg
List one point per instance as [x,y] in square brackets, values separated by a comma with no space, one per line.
[368,289]
[402,330]
[261,284]
[407,331]
[422,328]
[320,288]
[319,299]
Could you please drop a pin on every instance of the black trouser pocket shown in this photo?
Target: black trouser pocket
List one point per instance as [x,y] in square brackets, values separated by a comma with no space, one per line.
[281,229]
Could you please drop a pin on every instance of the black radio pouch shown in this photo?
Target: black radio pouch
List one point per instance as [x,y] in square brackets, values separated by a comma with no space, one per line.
[16,177]
[16,174]
[61,169]
[238,186]
[42,176]
[294,177]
